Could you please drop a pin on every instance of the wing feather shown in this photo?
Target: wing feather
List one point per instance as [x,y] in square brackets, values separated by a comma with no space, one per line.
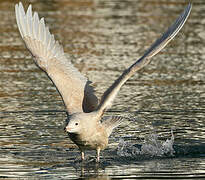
[158,45]
[74,88]
[111,122]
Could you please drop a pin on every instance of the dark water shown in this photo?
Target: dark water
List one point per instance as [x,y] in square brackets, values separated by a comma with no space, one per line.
[102,38]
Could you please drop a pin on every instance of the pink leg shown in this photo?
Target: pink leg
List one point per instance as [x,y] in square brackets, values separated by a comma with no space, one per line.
[82,155]
[98,155]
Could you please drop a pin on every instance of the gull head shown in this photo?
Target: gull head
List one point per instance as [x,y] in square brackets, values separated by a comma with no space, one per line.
[79,122]
[73,126]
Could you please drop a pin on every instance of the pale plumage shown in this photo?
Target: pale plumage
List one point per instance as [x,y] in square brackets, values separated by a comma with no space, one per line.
[49,55]
[84,122]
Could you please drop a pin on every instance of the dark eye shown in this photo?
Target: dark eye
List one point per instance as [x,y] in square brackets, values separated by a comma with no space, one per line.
[76,124]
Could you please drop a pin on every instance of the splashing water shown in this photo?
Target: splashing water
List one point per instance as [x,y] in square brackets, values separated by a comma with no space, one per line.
[152,147]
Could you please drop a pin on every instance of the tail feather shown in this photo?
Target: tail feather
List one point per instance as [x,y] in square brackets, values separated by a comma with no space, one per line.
[111,122]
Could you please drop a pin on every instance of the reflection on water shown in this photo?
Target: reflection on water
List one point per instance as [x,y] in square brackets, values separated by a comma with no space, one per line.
[102,38]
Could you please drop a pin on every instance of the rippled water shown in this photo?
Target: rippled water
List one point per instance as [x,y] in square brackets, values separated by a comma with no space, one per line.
[102,38]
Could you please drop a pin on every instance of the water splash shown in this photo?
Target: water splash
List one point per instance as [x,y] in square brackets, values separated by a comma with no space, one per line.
[152,147]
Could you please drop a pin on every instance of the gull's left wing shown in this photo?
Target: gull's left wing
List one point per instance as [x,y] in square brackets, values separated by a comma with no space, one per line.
[157,46]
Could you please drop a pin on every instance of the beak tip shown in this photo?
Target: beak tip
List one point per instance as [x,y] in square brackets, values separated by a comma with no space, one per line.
[66,129]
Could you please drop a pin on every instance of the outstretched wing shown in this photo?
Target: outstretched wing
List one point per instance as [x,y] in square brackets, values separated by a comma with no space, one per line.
[74,88]
[158,45]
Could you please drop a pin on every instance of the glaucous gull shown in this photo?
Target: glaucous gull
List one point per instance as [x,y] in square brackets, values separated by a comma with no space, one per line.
[84,125]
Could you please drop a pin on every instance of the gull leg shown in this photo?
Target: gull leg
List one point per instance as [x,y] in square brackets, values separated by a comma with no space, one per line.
[98,155]
[82,155]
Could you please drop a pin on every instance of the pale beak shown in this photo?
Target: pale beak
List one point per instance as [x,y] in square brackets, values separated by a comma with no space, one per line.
[67,129]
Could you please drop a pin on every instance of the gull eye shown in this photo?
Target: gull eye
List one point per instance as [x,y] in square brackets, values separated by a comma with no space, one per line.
[76,124]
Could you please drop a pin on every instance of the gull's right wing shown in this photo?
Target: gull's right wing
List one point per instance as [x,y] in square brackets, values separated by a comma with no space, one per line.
[157,46]
[74,88]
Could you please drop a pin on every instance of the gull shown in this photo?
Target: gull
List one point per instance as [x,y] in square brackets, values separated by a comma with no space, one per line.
[84,126]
